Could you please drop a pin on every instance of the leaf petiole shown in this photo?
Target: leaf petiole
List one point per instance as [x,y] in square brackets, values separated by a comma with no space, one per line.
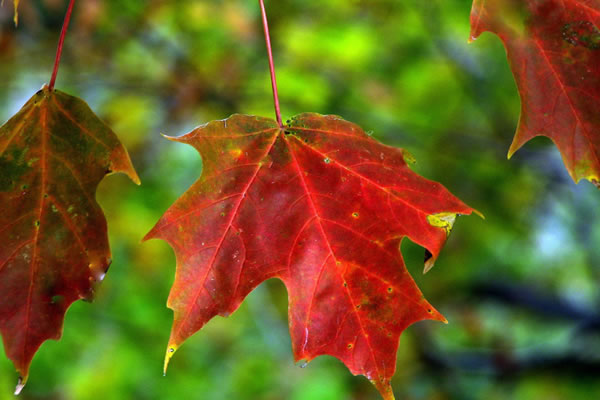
[61,40]
[271,65]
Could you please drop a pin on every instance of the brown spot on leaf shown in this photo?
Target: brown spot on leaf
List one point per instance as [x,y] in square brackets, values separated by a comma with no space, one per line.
[582,33]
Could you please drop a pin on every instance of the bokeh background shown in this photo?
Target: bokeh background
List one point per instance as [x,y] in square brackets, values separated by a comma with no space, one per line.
[520,289]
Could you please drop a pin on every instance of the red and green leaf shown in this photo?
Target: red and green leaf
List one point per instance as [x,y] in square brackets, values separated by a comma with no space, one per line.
[53,236]
[320,205]
[553,48]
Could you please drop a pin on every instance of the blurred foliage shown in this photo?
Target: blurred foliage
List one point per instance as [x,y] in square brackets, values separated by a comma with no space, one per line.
[520,289]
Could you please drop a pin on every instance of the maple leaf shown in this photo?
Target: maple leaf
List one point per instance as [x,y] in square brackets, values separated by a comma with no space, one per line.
[53,236]
[554,52]
[320,205]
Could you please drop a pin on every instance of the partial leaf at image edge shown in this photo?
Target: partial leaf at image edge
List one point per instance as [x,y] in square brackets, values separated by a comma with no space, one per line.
[553,48]
[53,237]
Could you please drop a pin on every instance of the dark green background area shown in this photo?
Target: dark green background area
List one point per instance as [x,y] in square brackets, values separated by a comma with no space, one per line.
[520,289]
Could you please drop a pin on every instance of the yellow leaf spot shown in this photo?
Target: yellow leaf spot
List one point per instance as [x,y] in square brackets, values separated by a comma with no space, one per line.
[444,220]
[235,152]
[408,158]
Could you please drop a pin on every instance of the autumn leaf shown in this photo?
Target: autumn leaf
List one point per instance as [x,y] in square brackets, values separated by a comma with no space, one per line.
[553,47]
[53,239]
[320,205]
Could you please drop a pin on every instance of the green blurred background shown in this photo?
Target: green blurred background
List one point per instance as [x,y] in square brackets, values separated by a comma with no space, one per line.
[520,289]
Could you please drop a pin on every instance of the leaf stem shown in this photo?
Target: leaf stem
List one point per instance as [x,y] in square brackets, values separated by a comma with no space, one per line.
[61,40]
[271,64]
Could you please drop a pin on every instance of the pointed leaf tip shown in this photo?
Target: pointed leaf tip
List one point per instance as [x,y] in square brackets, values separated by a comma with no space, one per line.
[172,138]
[128,170]
[132,174]
[429,263]
[20,385]
[385,389]
[171,349]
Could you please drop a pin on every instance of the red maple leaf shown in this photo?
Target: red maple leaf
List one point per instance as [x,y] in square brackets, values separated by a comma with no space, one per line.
[553,47]
[53,241]
[320,205]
